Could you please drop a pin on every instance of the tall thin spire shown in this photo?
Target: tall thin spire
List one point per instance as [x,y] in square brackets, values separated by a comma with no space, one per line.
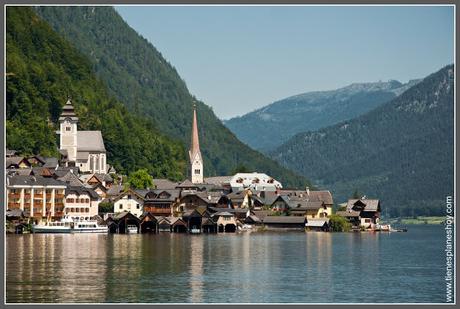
[196,162]
[195,145]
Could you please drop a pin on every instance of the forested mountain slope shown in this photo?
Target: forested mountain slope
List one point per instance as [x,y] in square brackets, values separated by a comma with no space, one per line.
[138,75]
[42,71]
[401,152]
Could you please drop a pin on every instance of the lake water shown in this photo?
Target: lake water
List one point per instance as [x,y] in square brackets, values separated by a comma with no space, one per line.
[241,268]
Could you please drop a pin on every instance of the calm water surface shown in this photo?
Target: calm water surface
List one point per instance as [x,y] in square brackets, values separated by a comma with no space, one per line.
[242,268]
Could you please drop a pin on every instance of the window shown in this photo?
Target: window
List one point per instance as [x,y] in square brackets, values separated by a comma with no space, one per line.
[68,128]
[197,171]
[129,196]
[137,206]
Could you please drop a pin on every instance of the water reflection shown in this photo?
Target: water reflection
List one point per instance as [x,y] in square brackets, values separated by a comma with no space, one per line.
[244,268]
[196,269]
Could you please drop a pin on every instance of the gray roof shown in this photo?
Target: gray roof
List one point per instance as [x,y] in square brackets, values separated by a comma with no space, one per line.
[154,195]
[22,171]
[20,180]
[79,190]
[15,161]
[346,213]
[284,219]
[164,184]
[187,184]
[51,162]
[90,141]
[370,204]
[71,179]
[218,180]
[115,190]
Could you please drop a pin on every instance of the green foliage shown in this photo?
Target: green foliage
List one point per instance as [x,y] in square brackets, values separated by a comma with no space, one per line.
[140,179]
[401,152]
[356,194]
[138,75]
[241,168]
[105,207]
[339,224]
[43,71]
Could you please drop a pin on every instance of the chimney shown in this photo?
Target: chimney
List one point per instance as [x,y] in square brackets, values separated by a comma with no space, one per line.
[307,189]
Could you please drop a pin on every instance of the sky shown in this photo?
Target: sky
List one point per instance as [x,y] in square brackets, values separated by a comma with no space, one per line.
[239,58]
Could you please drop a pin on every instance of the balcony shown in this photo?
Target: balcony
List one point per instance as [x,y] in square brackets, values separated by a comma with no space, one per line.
[58,204]
[59,195]
[48,196]
[14,195]
[27,196]
[38,214]
[158,210]
[14,205]
[58,213]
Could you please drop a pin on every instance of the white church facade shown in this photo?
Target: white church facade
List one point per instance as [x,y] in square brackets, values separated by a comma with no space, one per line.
[84,149]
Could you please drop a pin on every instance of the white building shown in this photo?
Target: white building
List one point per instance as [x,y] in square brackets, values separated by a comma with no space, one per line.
[81,202]
[84,148]
[129,201]
[39,197]
[255,181]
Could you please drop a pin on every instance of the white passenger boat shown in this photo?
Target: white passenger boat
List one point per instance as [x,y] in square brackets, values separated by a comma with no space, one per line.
[52,227]
[90,226]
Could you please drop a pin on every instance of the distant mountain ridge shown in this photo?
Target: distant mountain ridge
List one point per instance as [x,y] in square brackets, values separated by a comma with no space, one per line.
[311,111]
[401,152]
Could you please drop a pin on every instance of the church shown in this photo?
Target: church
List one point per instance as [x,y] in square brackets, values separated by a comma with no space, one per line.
[84,149]
[196,160]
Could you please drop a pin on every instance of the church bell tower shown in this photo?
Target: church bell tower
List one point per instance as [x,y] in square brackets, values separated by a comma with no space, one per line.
[68,131]
[196,161]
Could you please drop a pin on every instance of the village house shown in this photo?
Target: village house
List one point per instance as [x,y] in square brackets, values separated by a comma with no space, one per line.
[161,202]
[129,201]
[362,213]
[81,202]
[39,197]
[84,149]
[17,163]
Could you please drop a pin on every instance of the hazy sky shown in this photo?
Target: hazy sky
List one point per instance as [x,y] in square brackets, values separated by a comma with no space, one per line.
[239,58]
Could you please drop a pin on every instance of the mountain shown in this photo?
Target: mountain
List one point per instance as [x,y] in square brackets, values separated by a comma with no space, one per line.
[42,70]
[400,152]
[311,111]
[138,76]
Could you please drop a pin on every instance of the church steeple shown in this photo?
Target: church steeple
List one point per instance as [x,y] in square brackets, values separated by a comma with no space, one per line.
[68,131]
[196,161]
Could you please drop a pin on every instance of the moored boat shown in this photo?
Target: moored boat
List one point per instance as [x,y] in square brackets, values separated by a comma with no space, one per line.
[89,227]
[52,227]
[132,229]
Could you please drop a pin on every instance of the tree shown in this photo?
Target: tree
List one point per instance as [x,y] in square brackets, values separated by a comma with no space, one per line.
[356,194]
[240,168]
[140,179]
[105,207]
[339,224]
